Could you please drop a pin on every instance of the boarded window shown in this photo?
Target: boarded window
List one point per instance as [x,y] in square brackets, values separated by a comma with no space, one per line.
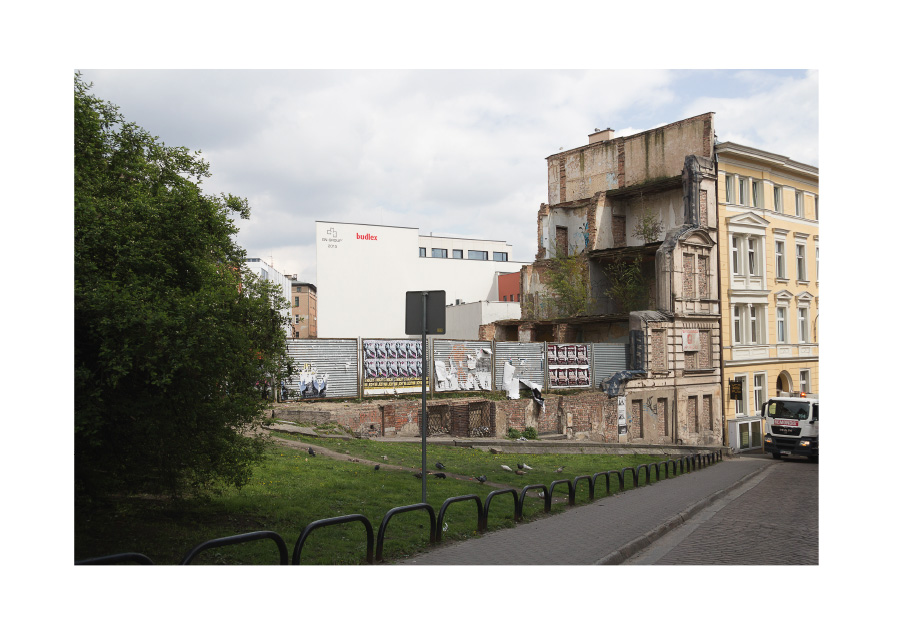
[561,241]
[705,349]
[707,412]
[688,276]
[692,420]
[702,276]
[663,416]
[637,417]
[659,352]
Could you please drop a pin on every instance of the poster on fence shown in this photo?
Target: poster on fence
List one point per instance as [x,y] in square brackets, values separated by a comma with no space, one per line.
[569,366]
[391,366]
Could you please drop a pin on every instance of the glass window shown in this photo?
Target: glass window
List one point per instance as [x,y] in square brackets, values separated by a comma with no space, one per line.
[758,385]
[781,324]
[751,251]
[780,264]
[744,192]
[457,253]
[422,252]
[737,326]
[753,325]
[296,301]
[817,263]
[788,409]
[800,262]
[477,255]
[757,194]
[437,252]
[735,254]
[816,207]
[804,377]
[741,404]
[778,199]
[729,188]
[803,324]
[500,256]
[800,200]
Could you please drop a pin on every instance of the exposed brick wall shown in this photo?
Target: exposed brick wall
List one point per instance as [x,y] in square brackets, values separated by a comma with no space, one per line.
[619,231]
[703,208]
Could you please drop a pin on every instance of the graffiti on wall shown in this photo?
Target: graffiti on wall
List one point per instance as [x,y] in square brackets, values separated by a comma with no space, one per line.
[391,366]
[464,371]
[311,385]
[569,366]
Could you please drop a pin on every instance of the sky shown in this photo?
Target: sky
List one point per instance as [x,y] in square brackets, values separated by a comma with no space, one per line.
[458,153]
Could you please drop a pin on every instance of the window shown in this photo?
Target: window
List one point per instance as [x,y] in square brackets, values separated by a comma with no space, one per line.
[504,299]
[780,263]
[744,191]
[437,252]
[477,255]
[749,324]
[778,199]
[751,253]
[500,256]
[729,188]
[804,380]
[753,325]
[737,326]
[296,301]
[758,385]
[800,207]
[735,255]
[781,324]
[817,265]
[803,324]
[663,415]
[800,262]
[457,253]
[296,320]
[422,252]
[757,194]
[816,207]
[519,298]
[740,405]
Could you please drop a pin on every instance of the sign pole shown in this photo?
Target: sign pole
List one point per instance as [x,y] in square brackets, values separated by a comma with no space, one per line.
[424,397]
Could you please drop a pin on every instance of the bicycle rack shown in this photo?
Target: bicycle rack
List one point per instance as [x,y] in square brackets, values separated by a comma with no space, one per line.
[482,522]
[590,483]
[125,557]
[570,490]
[369,534]
[239,538]
[514,492]
[382,530]
[547,503]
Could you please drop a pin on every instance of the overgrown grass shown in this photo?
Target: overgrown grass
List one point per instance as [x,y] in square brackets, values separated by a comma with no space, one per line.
[291,489]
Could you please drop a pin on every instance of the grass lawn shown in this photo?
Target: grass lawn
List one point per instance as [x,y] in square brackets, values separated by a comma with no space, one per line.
[290,489]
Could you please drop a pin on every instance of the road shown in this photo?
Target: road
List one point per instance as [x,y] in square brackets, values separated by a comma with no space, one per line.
[770,520]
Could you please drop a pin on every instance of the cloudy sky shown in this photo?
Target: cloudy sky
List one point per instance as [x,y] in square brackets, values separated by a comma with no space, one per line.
[453,153]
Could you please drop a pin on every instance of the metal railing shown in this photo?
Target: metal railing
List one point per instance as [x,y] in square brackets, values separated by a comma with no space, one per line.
[686,463]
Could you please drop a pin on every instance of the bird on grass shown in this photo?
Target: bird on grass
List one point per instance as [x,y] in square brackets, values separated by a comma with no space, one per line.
[504,467]
[440,475]
[311,452]
[384,457]
[439,466]
[520,472]
[525,467]
[559,469]
[377,466]
[418,475]
[481,479]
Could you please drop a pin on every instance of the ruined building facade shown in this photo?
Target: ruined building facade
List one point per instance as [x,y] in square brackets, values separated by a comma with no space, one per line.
[640,215]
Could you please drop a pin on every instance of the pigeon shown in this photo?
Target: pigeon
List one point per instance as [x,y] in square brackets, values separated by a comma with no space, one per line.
[522,439]
[504,467]
[525,467]
[311,452]
[440,475]
[384,457]
[520,466]
[559,469]
[418,475]
[377,466]
[520,472]
[439,466]
[481,479]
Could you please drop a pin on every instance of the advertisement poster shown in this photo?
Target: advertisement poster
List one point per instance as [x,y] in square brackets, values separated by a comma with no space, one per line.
[569,366]
[390,366]
[622,415]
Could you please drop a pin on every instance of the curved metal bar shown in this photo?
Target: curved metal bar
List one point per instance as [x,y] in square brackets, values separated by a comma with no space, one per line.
[112,559]
[446,504]
[606,475]
[590,483]
[239,538]
[674,470]
[514,492]
[321,523]
[382,530]
[637,475]
[570,490]
[624,470]
[547,504]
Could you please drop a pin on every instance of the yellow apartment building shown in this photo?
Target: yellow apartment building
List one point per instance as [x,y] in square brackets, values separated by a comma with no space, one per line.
[303,310]
[768,246]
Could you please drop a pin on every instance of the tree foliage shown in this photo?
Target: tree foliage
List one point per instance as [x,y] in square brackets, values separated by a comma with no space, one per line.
[174,337]
[568,278]
[627,285]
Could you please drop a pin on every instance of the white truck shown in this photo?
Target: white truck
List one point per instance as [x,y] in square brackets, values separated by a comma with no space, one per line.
[791,426]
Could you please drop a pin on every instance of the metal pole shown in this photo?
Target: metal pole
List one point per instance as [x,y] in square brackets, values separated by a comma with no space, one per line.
[424,397]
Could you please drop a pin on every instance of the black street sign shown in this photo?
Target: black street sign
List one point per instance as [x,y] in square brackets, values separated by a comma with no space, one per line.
[436,310]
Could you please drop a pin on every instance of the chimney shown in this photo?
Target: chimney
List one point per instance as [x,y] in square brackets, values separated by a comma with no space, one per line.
[600,135]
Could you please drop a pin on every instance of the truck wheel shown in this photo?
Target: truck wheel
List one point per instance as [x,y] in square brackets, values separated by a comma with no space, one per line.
[775,454]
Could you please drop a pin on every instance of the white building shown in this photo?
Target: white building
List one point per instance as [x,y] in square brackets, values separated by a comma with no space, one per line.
[364,272]
[463,320]
[268,273]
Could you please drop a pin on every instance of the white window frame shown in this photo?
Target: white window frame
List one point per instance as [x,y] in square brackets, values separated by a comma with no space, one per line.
[752,256]
[729,188]
[758,194]
[740,405]
[753,324]
[805,380]
[800,203]
[801,262]
[736,255]
[816,207]
[778,198]
[743,183]
[817,261]
[780,259]
[736,324]
[759,390]
[782,328]
[802,324]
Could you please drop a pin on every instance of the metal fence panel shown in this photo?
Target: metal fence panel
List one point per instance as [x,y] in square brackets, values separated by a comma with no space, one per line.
[568,365]
[527,357]
[462,365]
[391,365]
[608,359]
[324,368]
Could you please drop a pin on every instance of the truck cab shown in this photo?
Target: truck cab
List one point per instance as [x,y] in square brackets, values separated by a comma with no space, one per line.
[791,426]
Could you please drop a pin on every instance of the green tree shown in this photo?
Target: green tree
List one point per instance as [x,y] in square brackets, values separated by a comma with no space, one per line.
[568,278]
[174,337]
[627,285]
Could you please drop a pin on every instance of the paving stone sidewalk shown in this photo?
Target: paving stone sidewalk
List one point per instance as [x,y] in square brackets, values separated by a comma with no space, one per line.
[605,531]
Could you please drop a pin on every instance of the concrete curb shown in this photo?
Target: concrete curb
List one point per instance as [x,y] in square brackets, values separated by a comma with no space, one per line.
[644,541]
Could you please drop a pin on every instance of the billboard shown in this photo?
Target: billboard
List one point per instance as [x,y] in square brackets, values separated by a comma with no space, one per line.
[569,366]
[391,366]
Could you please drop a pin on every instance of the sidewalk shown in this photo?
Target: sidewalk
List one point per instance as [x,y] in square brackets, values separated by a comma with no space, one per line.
[606,531]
